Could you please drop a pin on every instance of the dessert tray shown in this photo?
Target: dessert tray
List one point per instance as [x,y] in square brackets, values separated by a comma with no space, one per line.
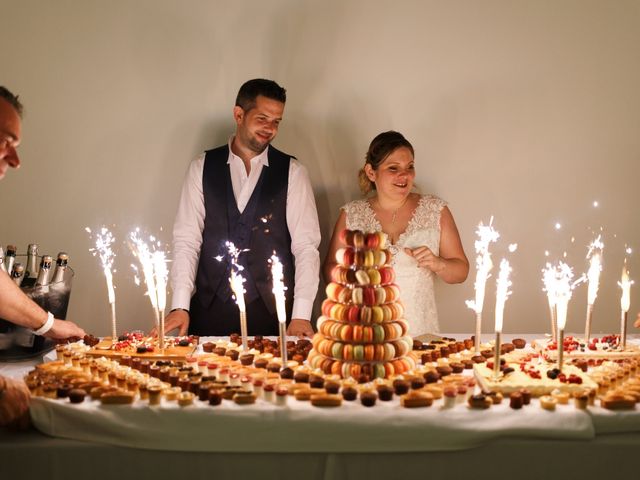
[606,347]
[136,344]
[538,378]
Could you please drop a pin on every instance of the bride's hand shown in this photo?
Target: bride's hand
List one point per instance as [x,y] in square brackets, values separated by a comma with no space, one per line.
[425,258]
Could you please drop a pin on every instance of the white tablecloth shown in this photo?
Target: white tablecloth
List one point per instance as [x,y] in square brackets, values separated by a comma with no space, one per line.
[300,427]
[504,452]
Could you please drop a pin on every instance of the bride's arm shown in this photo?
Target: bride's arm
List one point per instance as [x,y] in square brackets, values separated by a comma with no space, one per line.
[452,265]
[456,263]
[334,245]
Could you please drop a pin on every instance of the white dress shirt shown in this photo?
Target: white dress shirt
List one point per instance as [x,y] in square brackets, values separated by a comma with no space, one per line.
[302,221]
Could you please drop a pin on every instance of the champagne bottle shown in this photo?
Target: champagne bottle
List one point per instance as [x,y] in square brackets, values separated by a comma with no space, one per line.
[17,273]
[61,268]
[31,270]
[10,257]
[45,271]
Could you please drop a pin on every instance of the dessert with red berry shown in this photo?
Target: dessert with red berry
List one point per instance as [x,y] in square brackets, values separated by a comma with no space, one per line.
[137,344]
[605,347]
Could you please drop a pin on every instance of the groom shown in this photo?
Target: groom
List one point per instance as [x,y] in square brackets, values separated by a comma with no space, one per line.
[261,199]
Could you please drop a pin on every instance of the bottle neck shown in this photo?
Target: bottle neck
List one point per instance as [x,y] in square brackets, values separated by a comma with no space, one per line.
[58,273]
[32,266]
[45,271]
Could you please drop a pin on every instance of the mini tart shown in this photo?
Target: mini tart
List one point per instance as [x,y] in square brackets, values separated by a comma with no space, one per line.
[436,390]
[561,397]
[185,398]
[171,394]
[479,401]
[495,397]
[154,393]
[581,400]
[547,402]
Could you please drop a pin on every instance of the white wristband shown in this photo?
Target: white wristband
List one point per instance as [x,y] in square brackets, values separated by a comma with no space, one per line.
[47,325]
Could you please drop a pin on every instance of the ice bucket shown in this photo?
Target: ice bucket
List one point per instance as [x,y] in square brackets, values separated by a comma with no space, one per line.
[18,343]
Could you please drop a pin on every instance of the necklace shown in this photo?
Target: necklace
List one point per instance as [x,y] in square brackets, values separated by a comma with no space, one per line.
[395,212]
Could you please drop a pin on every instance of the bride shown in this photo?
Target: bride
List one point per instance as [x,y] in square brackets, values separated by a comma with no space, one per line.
[422,234]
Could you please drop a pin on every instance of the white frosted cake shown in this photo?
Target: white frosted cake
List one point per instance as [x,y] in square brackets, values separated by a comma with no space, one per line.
[534,377]
[606,347]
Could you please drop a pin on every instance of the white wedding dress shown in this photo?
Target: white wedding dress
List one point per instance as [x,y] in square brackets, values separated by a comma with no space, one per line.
[416,284]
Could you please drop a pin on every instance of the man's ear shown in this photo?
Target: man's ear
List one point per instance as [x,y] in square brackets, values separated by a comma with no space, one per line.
[238,114]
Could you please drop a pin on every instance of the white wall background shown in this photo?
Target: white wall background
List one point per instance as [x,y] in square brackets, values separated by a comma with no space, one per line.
[525,110]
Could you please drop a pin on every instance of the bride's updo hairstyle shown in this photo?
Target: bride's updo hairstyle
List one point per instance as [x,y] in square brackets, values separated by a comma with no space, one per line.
[381,147]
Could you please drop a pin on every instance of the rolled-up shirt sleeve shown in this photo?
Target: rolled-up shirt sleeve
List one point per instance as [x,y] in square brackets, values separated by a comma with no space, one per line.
[304,228]
[187,236]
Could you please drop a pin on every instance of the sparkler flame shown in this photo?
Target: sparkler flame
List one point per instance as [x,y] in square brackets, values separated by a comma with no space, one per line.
[562,289]
[153,261]
[140,250]
[549,281]
[161,275]
[236,280]
[486,235]
[104,240]
[502,292]
[103,250]
[594,255]
[278,287]
[625,284]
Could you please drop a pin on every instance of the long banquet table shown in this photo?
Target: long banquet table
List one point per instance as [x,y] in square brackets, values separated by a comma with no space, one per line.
[300,441]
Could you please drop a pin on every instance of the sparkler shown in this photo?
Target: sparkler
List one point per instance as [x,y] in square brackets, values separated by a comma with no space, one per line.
[236,281]
[594,255]
[549,280]
[563,289]
[154,271]
[486,235]
[104,240]
[161,274]
[625,302]
[278,292]
[502,293]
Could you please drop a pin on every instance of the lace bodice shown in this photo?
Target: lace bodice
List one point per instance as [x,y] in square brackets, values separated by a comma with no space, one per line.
[416,284]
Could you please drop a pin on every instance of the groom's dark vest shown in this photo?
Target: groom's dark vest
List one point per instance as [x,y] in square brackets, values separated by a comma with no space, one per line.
[261,228]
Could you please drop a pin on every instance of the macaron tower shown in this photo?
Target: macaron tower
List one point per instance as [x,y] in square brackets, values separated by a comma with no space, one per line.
[362,330]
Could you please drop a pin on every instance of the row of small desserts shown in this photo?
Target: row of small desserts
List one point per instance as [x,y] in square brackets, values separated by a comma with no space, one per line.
[112,383]
[614,382]
[221,377]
